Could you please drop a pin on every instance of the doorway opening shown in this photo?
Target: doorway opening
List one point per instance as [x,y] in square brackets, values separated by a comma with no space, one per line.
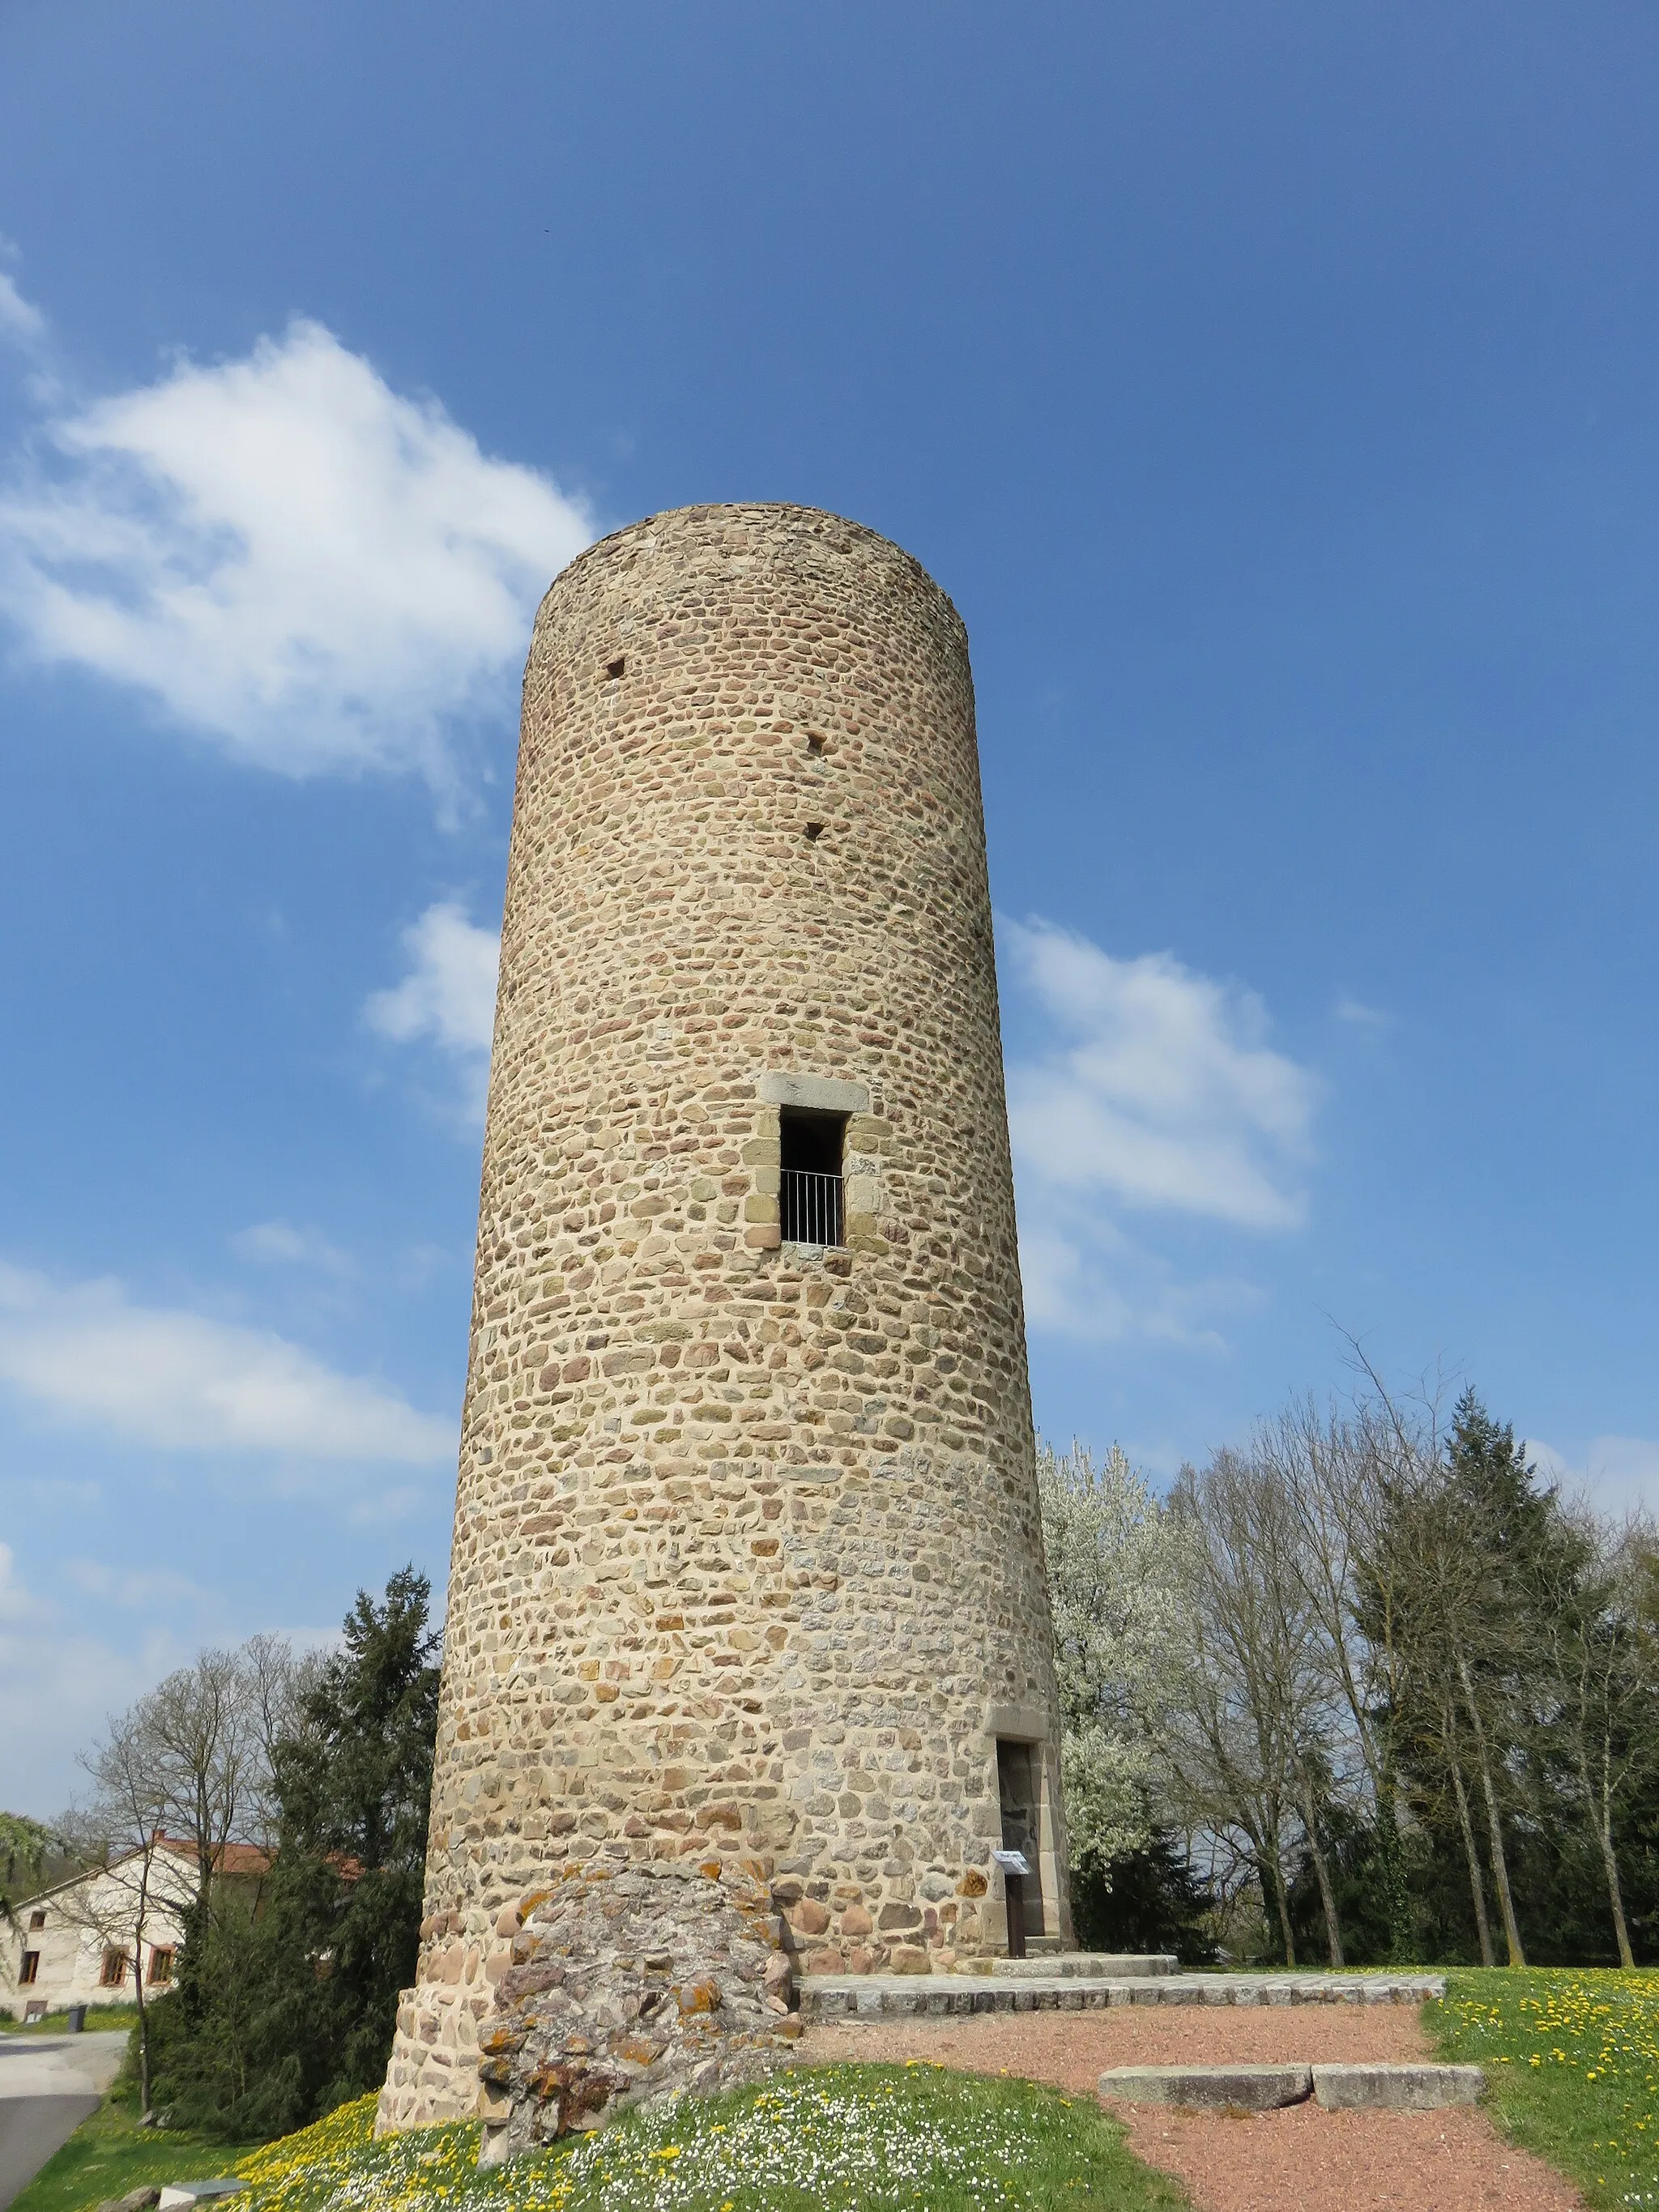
[1019,1775]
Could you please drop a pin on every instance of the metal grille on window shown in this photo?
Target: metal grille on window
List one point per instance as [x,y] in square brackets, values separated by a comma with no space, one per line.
[811,1207]
[810,1178]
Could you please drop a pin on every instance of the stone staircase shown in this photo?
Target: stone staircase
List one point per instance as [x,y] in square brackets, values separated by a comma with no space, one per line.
[1085,1966]
[1089,1981]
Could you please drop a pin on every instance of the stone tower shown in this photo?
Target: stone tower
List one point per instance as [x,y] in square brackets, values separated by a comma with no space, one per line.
[747,1554]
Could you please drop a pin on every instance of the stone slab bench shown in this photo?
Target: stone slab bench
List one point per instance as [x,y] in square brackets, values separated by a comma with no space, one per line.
[953,1997]
[1396,2088]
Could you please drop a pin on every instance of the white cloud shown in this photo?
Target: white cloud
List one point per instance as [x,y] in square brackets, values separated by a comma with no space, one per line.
[279,1243]
[1359,1016]
[447,999]
[84,1641]
[18,1607]
[56,1685]
[145,1589]
[89,1355]
[1161,1094]
[20,322]
[308,568]
[1167,1094]
[1617,1474]
[1082,1276]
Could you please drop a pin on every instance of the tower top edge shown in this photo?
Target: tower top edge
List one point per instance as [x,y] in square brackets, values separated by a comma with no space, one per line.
[692,522]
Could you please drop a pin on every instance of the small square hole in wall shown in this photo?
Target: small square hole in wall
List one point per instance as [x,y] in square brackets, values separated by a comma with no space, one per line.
[814,743]
[814,831]
[615,668]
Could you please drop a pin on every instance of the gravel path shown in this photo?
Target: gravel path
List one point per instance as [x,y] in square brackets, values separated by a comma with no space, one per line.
[1301,2158]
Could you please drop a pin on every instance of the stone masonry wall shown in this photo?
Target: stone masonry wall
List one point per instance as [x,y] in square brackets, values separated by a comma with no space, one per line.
[747,1554]
[628,1986]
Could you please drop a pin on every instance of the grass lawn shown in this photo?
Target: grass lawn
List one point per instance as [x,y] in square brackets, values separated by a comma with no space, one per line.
[110,2154]
[1572,2065]
[912,2136]
[57,2023]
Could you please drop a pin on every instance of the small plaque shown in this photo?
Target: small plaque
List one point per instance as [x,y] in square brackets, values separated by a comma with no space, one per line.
[1011,1861]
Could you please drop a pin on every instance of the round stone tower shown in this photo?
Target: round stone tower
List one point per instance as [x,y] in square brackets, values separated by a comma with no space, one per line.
[747,1554]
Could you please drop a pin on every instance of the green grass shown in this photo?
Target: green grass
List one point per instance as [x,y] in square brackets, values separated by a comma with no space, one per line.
[861,2137]
[1572,2068]
[111,2154]
[57,2023]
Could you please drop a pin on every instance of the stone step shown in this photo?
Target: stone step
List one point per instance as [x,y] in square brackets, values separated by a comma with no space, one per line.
[1405,2086]
[1087,1965]
[910,1996]
[1395,2088]
[1211,2088]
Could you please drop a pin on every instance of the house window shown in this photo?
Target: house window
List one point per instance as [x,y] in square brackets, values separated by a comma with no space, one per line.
[810,1189]
[113,1973]
[31,1966]
[161,1963]
[38,1919]
[35,2009]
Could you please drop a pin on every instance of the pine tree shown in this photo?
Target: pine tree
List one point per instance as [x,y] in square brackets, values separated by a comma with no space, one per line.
[1527,1554]
[283,2014]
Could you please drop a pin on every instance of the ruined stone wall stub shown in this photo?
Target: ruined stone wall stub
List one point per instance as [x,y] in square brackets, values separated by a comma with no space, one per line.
[747,1549]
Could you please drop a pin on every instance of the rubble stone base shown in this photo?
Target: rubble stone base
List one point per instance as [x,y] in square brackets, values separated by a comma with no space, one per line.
[628,1987]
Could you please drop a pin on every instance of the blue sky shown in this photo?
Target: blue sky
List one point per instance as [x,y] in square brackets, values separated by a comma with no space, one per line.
[1275,388]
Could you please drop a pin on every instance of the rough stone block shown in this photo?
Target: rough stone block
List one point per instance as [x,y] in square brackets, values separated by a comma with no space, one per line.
[1209,2088]
[1399,2087]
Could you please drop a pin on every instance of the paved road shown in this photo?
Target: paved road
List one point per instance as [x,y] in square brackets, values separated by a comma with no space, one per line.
[48,2086]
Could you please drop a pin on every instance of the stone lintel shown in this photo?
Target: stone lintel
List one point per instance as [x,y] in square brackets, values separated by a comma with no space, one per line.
[817,1094]
[1017,1724]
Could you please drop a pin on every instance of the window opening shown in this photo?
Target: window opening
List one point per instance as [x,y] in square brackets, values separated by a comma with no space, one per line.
[114,1971]
[814,743]
[161,1963]
[814,831]
[35,2009]
[38,1918]
[617,667]
[31,1966]
[1018,1769]
[810,1183]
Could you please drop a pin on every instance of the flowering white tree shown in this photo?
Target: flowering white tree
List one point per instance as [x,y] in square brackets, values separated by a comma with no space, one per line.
[1117,1585]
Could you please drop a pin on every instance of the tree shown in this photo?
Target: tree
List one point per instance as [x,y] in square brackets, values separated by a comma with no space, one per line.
[1605,1667]
[1432,1577]
[354,1789]
[129,1809]
[25,1847]
[190,1760]
[1117,1590]
[1338,1470]
[1408,1696]
[1148,1899]
[285,2012]
[1258,1756]
[1515,1557]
